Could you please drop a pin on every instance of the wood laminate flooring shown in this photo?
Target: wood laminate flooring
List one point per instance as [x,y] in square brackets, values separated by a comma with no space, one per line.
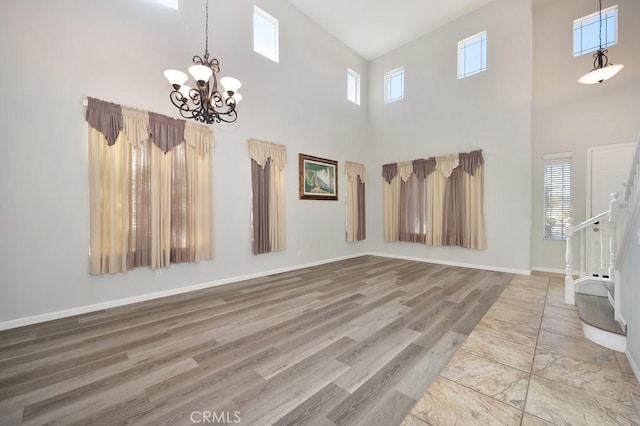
[352,342]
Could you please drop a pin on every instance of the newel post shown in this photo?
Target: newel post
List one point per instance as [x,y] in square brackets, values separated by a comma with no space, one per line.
[569,288]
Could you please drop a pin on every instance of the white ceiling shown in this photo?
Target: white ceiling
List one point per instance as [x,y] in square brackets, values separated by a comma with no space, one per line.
[375,27]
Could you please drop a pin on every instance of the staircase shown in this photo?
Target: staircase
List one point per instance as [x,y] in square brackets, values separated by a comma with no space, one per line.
[595,286]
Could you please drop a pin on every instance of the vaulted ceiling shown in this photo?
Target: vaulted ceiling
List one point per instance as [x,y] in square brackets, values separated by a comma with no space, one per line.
[375,27]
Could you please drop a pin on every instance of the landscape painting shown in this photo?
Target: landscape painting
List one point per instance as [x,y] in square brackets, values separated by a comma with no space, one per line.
[318,178]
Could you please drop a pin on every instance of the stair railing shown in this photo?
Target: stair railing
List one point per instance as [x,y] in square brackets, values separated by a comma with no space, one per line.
[602,261]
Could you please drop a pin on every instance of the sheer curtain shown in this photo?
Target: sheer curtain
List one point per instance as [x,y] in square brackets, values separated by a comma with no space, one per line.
[356,213]
[267,183]
[150,193]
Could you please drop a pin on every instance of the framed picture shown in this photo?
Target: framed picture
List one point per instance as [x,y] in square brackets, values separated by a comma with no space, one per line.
[318,178]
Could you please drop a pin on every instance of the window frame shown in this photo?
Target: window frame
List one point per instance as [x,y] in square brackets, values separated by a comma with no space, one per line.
[464,44]
[563,159]
[387,86]
[605,22]
[356,95]
[261,14]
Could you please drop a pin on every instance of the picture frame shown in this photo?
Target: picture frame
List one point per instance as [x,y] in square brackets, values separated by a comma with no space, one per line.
[318,178]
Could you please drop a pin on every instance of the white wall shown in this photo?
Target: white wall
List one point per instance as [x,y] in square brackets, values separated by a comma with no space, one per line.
[442,115]
[570,117]
[630,293]
[55,54]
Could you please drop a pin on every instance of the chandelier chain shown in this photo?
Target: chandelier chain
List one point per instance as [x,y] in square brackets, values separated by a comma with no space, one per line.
[206,28]
[600,24]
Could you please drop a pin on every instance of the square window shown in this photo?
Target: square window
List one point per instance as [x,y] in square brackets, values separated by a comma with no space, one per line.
[586,31]
[394,85]
[353,86]
[472,55]
[265,34]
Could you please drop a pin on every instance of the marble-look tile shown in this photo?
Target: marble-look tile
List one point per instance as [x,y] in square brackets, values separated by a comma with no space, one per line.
[592,378]
[412,420]
[528,295]
[562,321]
[555,297]
[558,403]
[490,378]
[448,403]
[633,389]
[521,304]
[578,348]
[522,334]
[623,363]
[531,420]
[515,355]
[504,312]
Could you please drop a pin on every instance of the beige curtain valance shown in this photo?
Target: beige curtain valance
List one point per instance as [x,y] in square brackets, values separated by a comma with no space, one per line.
[421,168]
[200,137]
[405,169]
[261,151]
[353,170]
[136,125]
[114,121]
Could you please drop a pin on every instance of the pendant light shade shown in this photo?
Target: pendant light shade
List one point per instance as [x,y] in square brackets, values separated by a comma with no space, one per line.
[600,74]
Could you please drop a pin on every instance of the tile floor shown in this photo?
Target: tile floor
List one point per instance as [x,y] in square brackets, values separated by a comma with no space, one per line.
[528,363]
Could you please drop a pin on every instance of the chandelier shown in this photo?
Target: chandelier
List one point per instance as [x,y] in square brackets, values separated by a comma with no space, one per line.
[205,103]
[602,69]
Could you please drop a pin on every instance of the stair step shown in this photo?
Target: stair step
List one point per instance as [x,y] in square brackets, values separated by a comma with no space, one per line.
[597,312]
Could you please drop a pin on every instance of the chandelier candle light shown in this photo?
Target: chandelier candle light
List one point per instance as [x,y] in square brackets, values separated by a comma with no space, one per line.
[205,103]
[602,69]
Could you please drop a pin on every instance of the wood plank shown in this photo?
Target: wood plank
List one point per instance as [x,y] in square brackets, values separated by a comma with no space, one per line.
[348,342]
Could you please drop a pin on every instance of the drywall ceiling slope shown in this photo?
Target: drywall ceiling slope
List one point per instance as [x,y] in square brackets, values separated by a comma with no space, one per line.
[374,27]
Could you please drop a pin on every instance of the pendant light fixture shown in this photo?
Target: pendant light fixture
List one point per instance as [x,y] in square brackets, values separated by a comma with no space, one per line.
[602,69]
[205,103]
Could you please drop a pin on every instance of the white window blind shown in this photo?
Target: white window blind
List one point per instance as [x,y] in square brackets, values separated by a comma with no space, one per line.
[557,195]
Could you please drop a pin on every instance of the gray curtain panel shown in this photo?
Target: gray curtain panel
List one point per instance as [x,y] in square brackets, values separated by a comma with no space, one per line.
[260,188]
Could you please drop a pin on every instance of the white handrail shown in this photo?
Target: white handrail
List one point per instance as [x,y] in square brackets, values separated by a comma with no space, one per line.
[591,221]
[633,174]
[602,262]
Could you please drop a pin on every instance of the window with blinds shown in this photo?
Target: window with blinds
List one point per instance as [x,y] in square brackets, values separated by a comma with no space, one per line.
[557,195]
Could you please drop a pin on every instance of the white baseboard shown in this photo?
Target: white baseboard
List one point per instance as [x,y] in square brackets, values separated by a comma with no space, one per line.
[634,366]
[450,263]
[35,319]
[550,270]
